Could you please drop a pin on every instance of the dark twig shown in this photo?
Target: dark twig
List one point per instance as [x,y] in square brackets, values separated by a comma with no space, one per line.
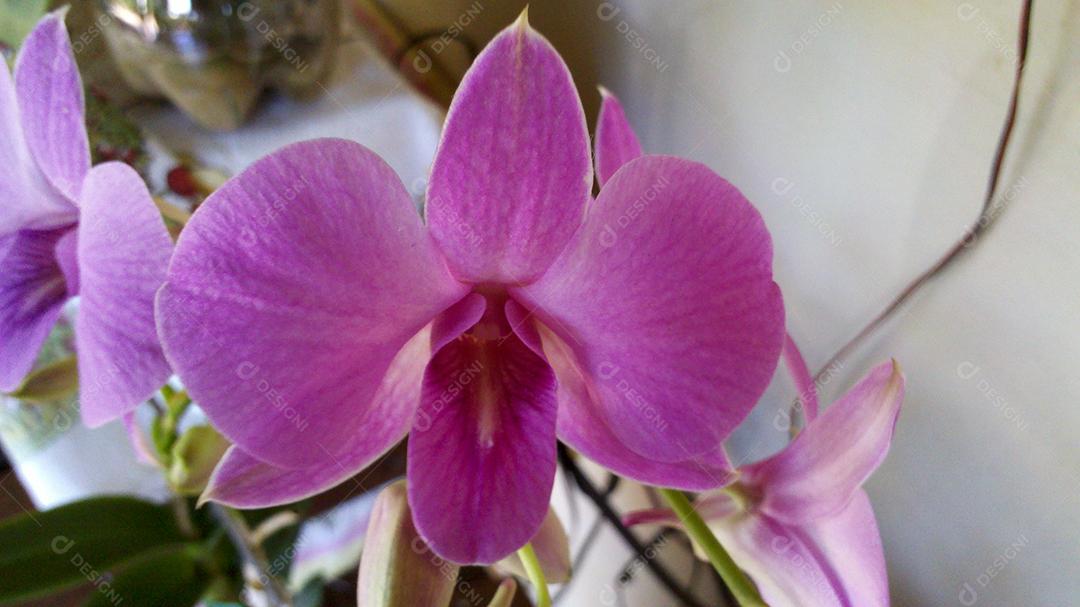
[665,577]
[653,546]
[986,214]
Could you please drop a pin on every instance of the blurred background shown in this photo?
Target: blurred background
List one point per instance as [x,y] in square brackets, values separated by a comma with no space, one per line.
[865,134]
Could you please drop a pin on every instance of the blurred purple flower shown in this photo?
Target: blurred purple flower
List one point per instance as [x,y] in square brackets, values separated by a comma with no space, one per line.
[67,229]
[318,320]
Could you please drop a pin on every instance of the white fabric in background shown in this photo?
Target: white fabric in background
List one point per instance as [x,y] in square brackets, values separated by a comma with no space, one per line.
[83,463]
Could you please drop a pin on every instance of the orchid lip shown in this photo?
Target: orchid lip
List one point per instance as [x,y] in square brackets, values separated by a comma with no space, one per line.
[488,413]
[482,344]
[479,340]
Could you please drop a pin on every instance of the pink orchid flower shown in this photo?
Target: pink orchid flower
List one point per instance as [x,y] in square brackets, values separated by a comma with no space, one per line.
[799,523]
[68,230]
[318,320]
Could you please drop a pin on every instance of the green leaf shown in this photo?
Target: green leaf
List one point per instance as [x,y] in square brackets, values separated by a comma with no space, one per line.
[310,596]
[46,551]
[167,577]
[50,383]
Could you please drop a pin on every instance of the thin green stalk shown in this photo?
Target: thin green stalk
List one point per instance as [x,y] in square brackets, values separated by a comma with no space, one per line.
[536,574]
[744,590]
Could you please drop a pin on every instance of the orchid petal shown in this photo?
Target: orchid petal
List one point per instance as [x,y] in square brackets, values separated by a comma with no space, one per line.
[652,516]
[788,569]
[67,259]
[796,366]
[32,293]
[144,452]
[616,143]
[50,95]
[123,251]
[851,543]
[292,289]
[711,506]
[29,201]
[819,472]
[396,568]
[456,320]
[488,421]
[580,428]
[244,481]
[552,549]
[667,300]
[715,505]
[835,561]
[512,173]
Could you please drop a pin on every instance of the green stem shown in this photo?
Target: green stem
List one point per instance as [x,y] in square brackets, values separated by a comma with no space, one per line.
[536,574]
[745,592]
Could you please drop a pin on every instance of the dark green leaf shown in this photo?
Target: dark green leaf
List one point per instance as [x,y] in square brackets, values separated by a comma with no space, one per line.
[75,544]
[311,595]
[167,577]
